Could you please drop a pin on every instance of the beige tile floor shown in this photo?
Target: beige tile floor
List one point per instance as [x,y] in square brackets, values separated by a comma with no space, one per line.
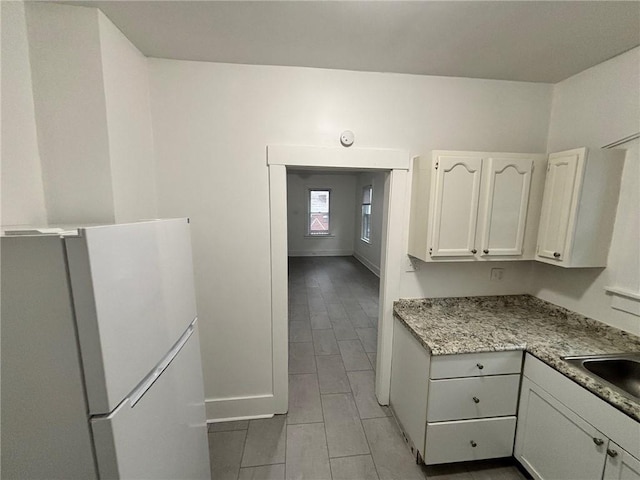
[335,428]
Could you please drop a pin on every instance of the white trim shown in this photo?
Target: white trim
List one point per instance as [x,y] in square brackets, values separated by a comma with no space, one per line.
[238,419]
[337,157]
[321,253]
[393,247]
[623,292]
[367,263]
[624,300]
[622,141]
[392,256]
[279,288]
[223,409]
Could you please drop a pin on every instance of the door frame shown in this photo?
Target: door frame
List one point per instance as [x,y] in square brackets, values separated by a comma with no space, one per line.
[393,248]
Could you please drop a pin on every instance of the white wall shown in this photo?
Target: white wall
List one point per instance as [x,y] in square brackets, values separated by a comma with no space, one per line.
[128,113]
[22,189]
[594,108]
[78,145]
[598,106]
[211,125]
[68,90]
[370,253]
[341,208]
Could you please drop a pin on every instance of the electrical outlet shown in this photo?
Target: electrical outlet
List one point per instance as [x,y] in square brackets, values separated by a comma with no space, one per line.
[411,264]
[497,274]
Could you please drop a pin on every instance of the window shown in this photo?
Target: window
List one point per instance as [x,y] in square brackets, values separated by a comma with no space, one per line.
[319,201]
[365,231]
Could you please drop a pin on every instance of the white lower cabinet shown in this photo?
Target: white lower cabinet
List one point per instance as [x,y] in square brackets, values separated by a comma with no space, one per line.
[454,408]
[553,442]
[466,440]
[410,363]
[475,397]
[621,465]
[471,406]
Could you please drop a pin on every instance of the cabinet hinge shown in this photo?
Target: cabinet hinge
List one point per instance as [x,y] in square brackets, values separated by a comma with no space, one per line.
[430,250]
[548,166]
[538,249]
[436,165]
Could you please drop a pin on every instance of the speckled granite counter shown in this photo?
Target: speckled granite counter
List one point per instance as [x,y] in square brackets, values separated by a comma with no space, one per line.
[518,322]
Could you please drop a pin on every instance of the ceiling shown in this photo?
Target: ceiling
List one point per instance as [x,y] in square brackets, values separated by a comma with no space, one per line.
[537,41]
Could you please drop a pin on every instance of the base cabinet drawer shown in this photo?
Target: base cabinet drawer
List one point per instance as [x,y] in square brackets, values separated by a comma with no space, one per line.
[473,397]
[476,364]
[467,440]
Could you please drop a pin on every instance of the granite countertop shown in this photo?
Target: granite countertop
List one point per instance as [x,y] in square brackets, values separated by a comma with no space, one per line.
[448,326]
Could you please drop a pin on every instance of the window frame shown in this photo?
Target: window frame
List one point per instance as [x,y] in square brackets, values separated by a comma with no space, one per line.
[363,204]
[329,232]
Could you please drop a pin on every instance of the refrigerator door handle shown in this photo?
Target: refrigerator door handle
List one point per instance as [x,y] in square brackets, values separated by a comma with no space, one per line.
[150,379]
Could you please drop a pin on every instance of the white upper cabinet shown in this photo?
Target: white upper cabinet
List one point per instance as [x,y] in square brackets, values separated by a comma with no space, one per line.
[505,202]
[469,206]
[579,207]
[554,220]
[455,208]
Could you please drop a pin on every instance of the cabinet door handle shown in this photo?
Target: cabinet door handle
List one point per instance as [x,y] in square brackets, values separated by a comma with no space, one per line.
[598,441]
[485,251]
[474,251]
[473,444]
[480,366]
[556,254]
[476,399]
[612,453]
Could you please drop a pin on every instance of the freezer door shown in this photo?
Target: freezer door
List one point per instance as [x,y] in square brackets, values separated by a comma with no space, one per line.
[133,297]
[164,434]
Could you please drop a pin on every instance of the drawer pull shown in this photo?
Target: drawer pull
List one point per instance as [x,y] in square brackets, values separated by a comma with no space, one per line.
[598,441]
[480,366]
[476,399]
[612,453]
[473,444]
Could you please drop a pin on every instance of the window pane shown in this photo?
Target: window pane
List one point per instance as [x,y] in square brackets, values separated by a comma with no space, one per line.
[366,194]
[319,212]
[366,223]
[365,232]
[319,201]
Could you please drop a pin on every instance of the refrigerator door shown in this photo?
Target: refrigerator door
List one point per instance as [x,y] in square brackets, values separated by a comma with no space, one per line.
[45,433]
[133,297]
[164,434]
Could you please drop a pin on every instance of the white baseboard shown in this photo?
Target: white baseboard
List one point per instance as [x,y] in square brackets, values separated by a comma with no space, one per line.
[236,419]
[320,253]
[237,408]
[374,268]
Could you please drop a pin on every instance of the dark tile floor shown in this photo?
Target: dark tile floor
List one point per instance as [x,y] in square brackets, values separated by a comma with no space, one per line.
[335,428]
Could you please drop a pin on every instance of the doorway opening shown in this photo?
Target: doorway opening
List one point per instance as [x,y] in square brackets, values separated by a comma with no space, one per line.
[392,165]
[334,233]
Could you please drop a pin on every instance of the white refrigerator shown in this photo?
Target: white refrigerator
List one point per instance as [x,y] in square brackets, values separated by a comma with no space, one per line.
[101,371]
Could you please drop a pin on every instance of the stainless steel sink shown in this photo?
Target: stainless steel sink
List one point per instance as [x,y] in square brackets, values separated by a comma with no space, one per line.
[620,371]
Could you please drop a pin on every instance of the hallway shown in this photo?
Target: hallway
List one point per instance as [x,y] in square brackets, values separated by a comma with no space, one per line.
[335,428]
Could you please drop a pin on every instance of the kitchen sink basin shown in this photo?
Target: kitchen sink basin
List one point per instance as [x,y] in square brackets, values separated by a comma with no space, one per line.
[620,371]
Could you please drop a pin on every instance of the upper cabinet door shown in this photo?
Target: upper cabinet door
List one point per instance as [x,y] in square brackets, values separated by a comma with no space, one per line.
[556,205]
[505,203]
[455,209]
